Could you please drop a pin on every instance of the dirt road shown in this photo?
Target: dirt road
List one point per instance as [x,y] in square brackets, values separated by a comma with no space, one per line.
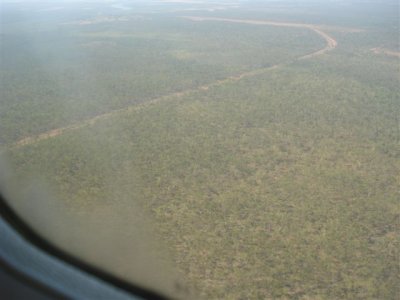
[331,44]
[386,52]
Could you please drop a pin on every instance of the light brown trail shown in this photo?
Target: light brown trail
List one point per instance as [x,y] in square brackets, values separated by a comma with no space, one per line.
[386,52]
[331,44]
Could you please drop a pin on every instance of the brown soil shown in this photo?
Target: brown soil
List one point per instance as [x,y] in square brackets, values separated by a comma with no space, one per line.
[386,52]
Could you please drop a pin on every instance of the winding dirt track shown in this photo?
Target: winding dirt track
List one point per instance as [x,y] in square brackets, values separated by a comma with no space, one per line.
[331,44]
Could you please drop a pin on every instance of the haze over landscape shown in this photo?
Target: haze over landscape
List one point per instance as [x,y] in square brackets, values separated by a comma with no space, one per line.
[256,142]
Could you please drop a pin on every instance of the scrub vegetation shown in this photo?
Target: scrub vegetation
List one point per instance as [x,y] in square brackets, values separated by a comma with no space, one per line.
[282,183]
